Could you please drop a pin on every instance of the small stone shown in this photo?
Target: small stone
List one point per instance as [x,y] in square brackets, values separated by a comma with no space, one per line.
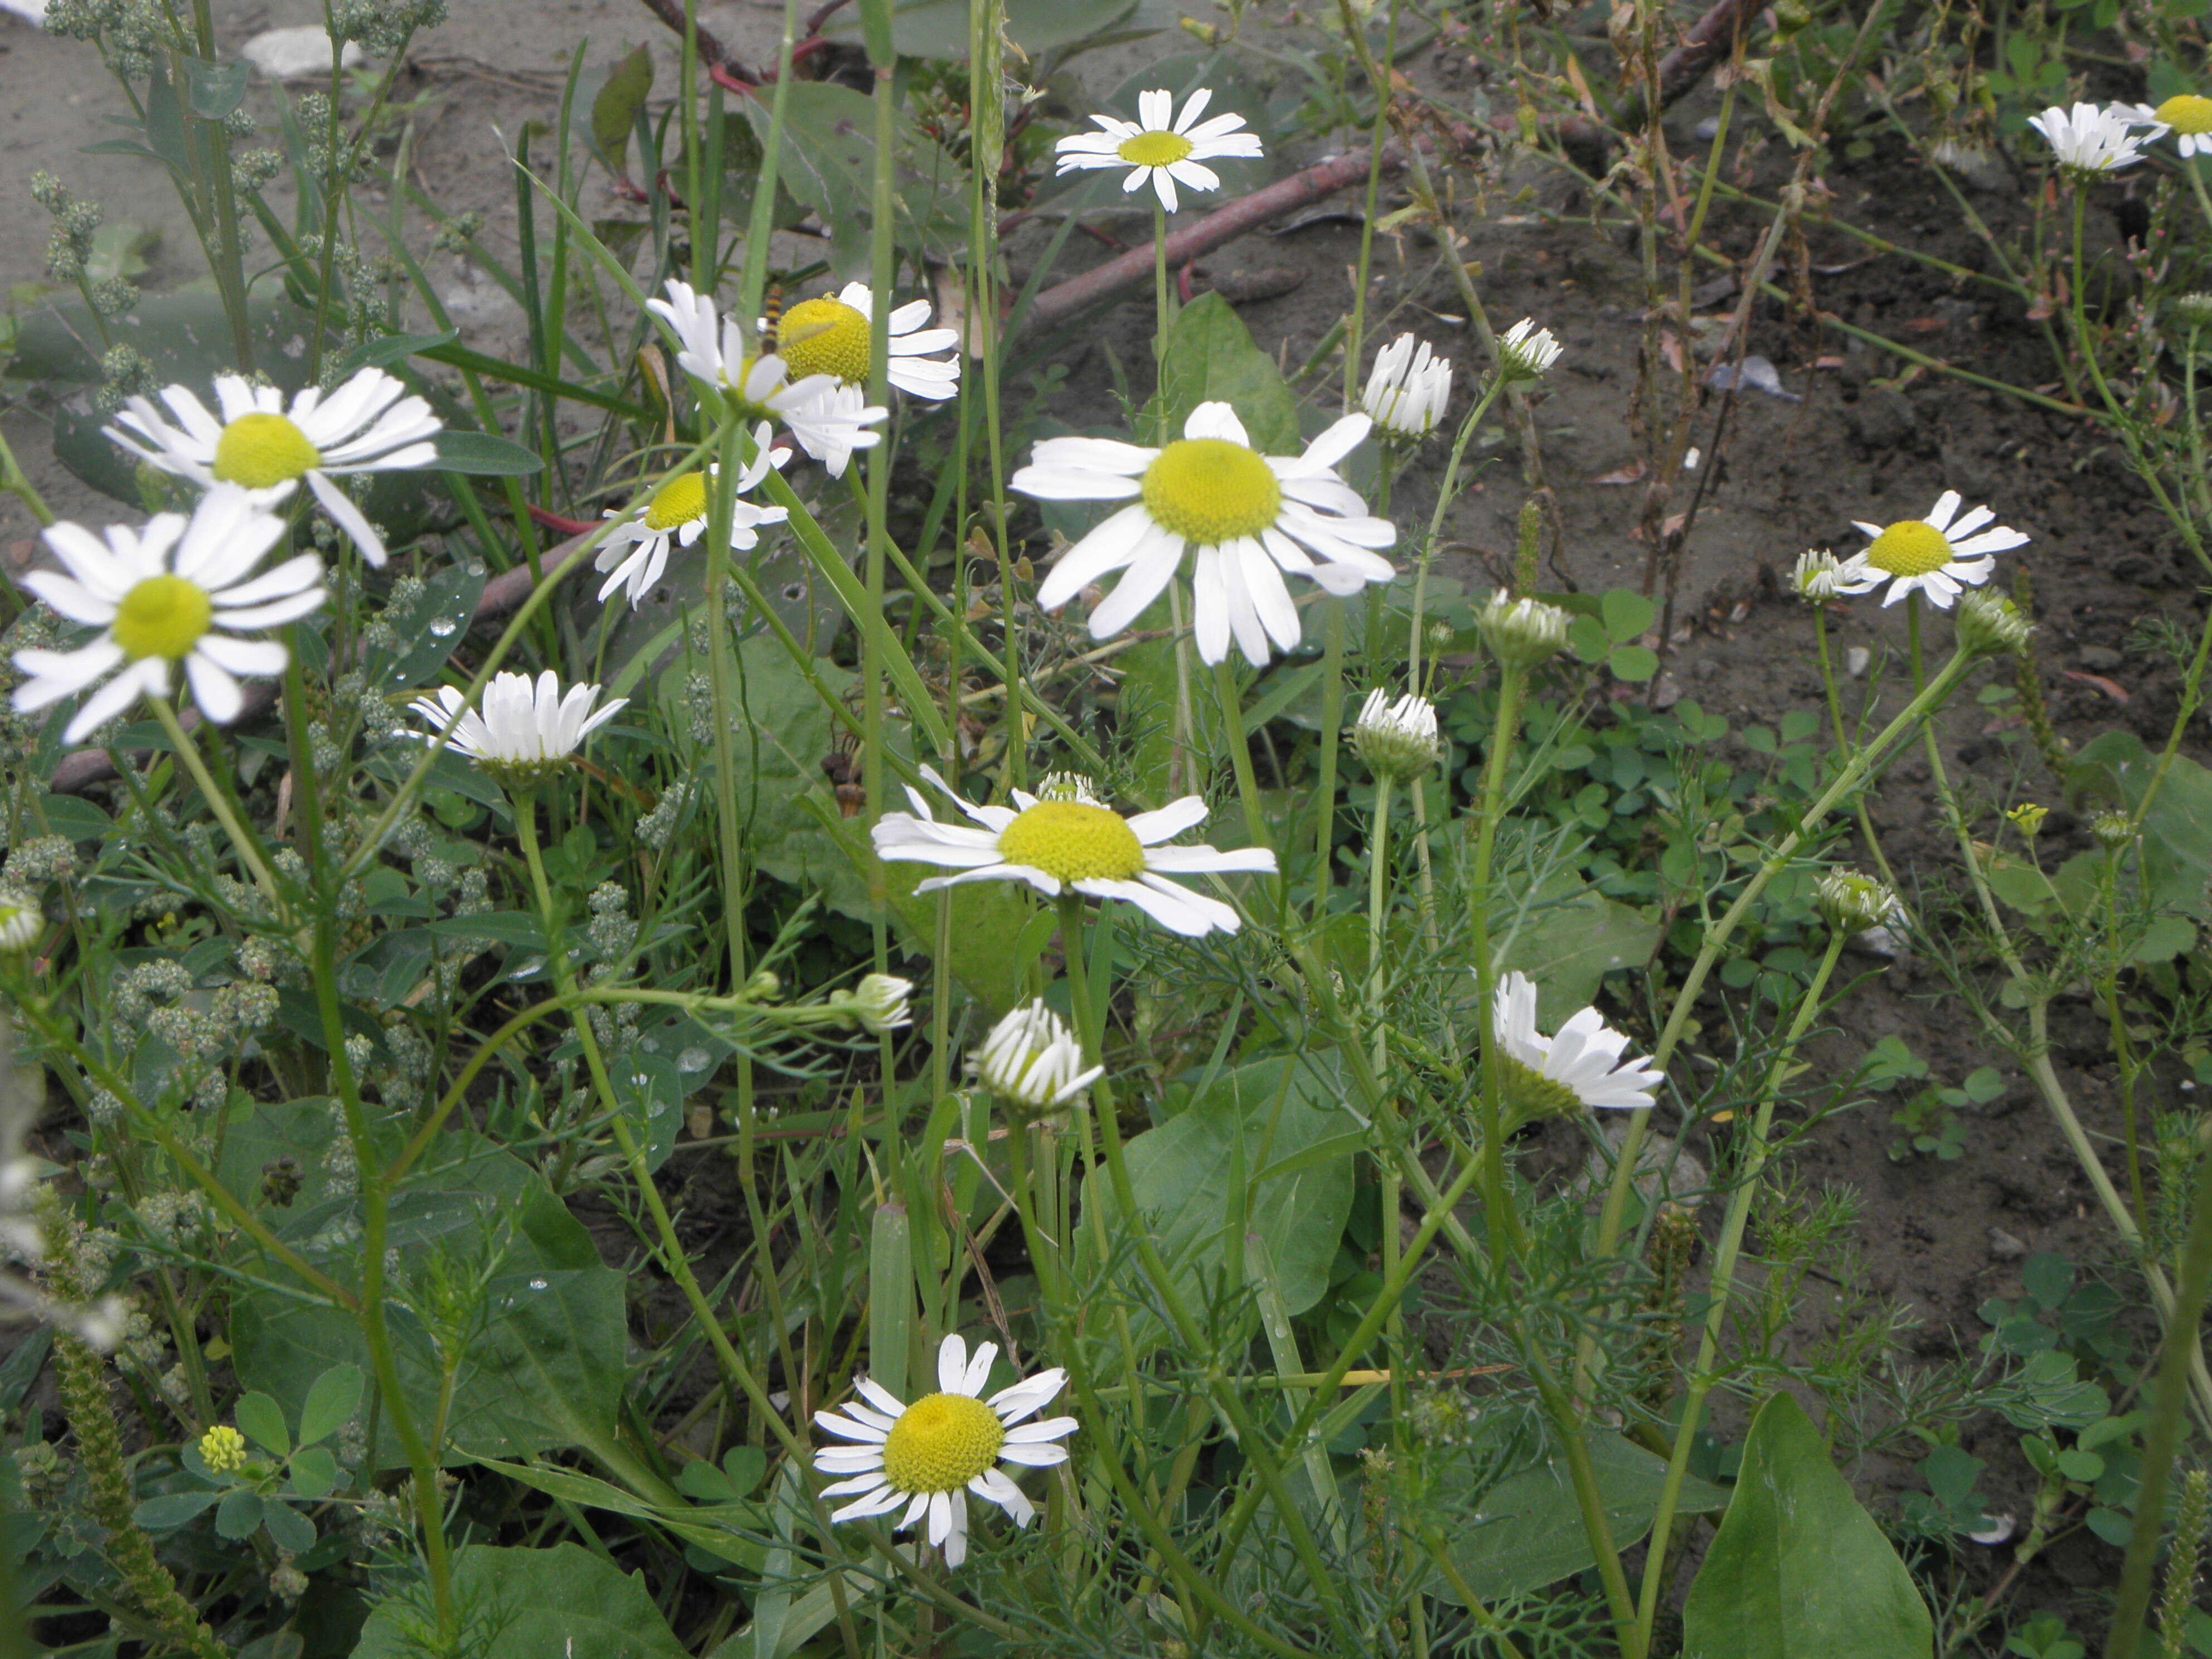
[1882,418]
[1666,692]
[296,54]
[1855,659]
[2003,1247]
[2101,659]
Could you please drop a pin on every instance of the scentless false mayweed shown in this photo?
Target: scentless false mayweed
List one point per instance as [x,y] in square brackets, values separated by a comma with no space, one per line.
[1398,740]
[1990,625]
[2186,115]
[878,1005]
[1850,903]
[1066,842]
[527,730]
[635,551]
[1940,556]
[1526,352]
[21,922]
[1247,517]
[1159,147]
[930,1455]
[262,445]
[1520,633]
[1032,1062]
[2091,141]
[1408,389]
[1558,1076]
[826,419]
[1818,576]
[832,335]
[173,594]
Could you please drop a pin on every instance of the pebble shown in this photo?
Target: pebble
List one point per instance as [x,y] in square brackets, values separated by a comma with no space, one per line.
[2003,1247]
[2101,659]
[296,54]
[1855,659]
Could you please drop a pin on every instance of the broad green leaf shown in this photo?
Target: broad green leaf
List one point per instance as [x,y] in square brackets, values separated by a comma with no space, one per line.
[260,1421]
[485,455]
[291,1531]
[1261,1118]
[614,110]
[1567,939]
[1212,359]
[1626,612]
[720,1528]
[1799,1570]
[1634,662]
[562,1603]
[546,1367]
[2113,771]
[1531,1529]
[314,1472]
[213,90]
[333,1399]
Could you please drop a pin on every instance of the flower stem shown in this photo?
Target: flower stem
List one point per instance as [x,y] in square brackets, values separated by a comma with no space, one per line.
[1446,492]
[1240,752]
[1702,1375]
[1332,722]
[219,802]
[1163,319]
[1378,895]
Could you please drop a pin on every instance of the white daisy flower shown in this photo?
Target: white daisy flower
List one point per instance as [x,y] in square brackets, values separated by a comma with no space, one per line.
[828,420]
[826,335]
[21,922]
[1408,389]
[175,592]
[1558,1076]
[1067,841]
[2091,140]
[1032,1060]
[1159,151]
[367,425]
[527,730]
[1938,555]
[930,1455]
[1396,739]
[1818,576]
[1526,352]
[635,551]
[1250,516]
[2186,115]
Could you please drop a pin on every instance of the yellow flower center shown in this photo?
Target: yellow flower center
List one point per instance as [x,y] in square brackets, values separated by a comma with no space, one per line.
[941,1442]
[1154,150]
[1911,548]
[161,617]
[1209,490]
[678,503]
[222,1448]
[824,337]
[258,451]
[2187,112]
[1074,840]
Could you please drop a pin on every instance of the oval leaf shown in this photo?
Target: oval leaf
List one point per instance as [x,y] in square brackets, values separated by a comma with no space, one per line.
[262,1421]
[334,1397]
[1799,1570]
[172,1509]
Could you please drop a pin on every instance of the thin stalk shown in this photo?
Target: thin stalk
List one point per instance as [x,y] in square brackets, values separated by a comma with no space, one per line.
[1163,319]
[1355,326]
[1332,722]
[1378,897]
[721,670]
[2163,1437]
[219,803]
[1240,751]
[1702,1375]
[1843,743]
[1503,1222]
[1446,492]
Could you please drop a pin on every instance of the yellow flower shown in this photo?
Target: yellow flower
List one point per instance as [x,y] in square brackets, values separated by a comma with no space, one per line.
[222,1448]
[2027,817]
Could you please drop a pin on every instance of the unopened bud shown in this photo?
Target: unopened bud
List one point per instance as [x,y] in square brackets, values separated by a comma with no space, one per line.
[1522,632]
[1398,740]
[1818,576]
[1526,352]
[1850,903]
[1032,1061]
[879,1004]
[21,922]
[2115,831]
[1990,625]
[2192,310]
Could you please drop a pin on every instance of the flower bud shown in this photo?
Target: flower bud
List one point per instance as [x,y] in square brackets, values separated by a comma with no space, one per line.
[1397,740]
[2115,831]
[1990,625]
[1032,1061]
[765,986]
[2192,310]
[1818,576]
[1522,632]
[1526,352]
[1850,903]
[879,1004]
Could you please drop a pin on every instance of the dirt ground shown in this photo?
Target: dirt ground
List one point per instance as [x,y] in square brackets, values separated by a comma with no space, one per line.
[1855,443]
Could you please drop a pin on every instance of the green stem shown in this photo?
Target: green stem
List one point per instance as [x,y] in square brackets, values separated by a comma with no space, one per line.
[2163,1437]
[1378,893]
[1240,752]
[1499,1216]
[1446,492]
[1702,1375]
[1843,743]
[1378,76]
[219,803]
[1332,723]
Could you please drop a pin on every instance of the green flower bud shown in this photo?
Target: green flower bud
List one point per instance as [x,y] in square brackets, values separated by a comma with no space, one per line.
[1522,632]
[1850,903]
